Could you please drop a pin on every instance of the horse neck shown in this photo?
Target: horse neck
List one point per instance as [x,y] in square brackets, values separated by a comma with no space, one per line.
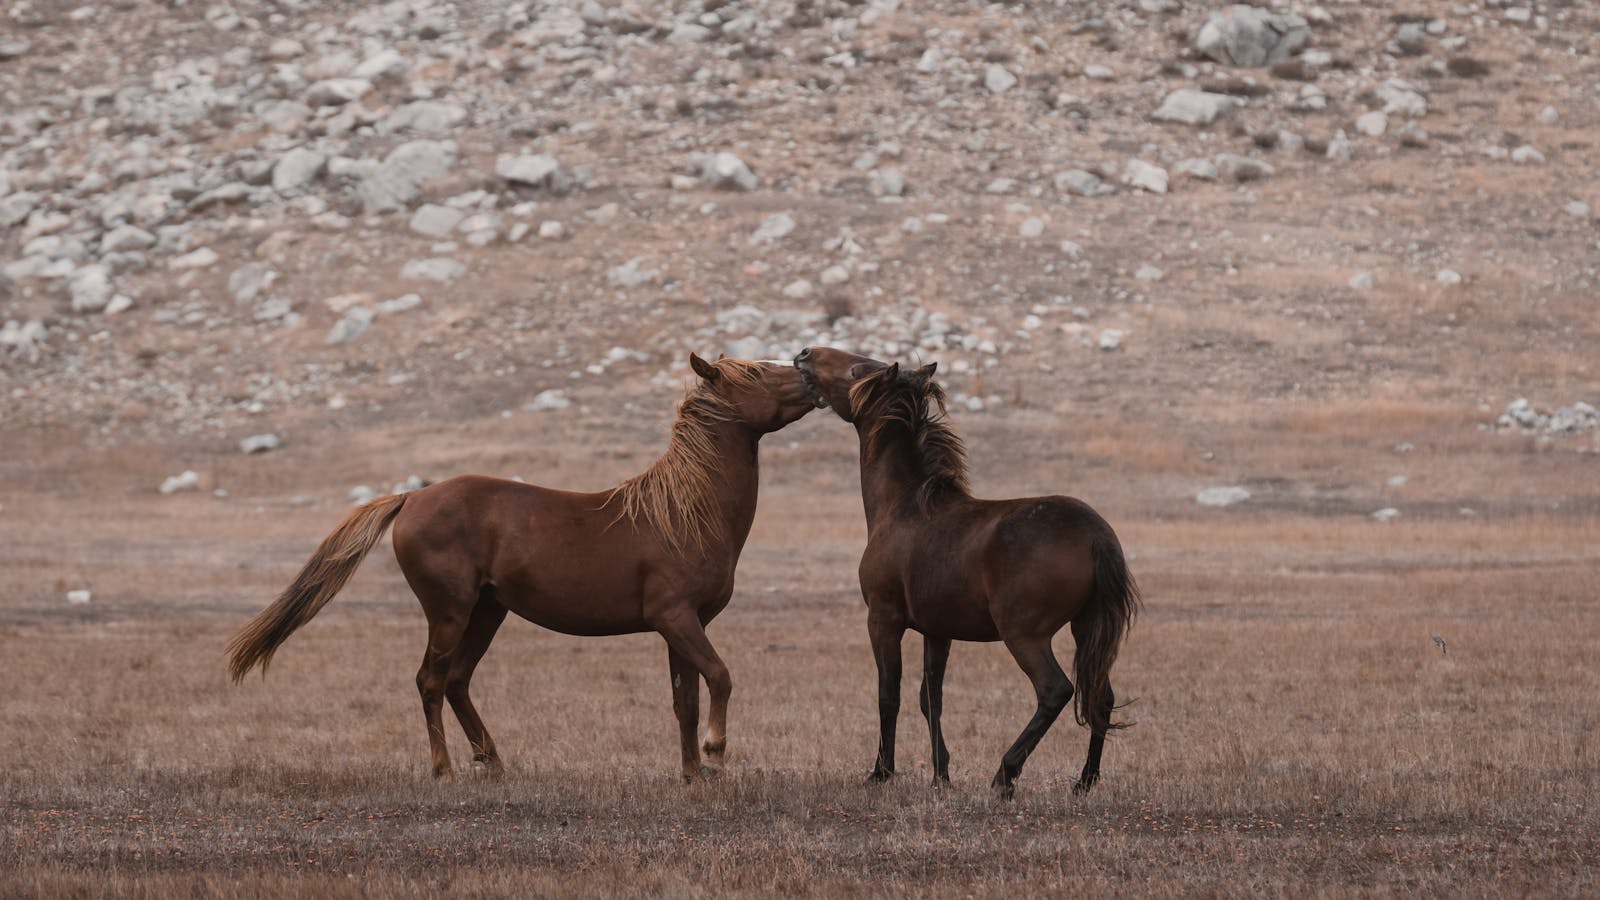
[739,464]
[891,473]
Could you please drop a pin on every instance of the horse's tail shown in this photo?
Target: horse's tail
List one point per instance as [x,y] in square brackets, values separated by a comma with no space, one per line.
[327,571]
[1107,617]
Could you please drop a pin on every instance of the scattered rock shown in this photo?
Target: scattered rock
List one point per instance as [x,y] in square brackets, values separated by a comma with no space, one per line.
[1363,281]
[724,171]
[434,220]
[249,280]
[1447,277]
[1249,36]
[439,268]
[1242,168]
[1527,155]
[1192,107]
[296,169]
[1196,168]
[260,443]
[355,323]
[203,258]
[1402,98]
[553,398]
[90,288]
[397,181]
[998,79]
[337,91]
[1148,272]
[79,597]
[631,273]
[1031,227]
[1387,514]
[533,170]
[1082,183]
[1222,496]
[1144,176]
[179,484]
[423,117]
[1373,124]
[772,228]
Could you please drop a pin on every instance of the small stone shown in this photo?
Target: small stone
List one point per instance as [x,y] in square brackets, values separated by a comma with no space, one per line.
[249,280]
[552,230]
[1222,496]
[998,79]
[1242,168]
[1144,176]
[1148,272]
[1527,155]
[385,63]
[1447,277]
[535,170]
[689,33]
[355,323]
[1549,116]
[1111,338]
[1031,227]
[260,443]
[124,238]
[397,181]
[833,275]
[1578,208]
[439,268]
[90,288]
[285,49]
[337,91]
[1197,168]
[362,493]
[1082,183]
[1242,35]
[631,273]
[1339,147]
[797,289]
[725,171]
[178,484]
[1193,107]
[772,228]
[1099,72]
[552,398]
[1363,281]
[203,258]
[296,169]
[888,183]
[79,597]
[434,220]
[399,304]
[1403,98]
[1387,514]
[1373,124]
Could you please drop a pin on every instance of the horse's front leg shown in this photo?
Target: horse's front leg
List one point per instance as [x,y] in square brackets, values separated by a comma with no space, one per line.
[886,628]
[686,640]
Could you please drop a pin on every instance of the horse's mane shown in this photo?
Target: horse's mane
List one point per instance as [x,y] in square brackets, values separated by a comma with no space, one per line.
[678,493]
[918,405]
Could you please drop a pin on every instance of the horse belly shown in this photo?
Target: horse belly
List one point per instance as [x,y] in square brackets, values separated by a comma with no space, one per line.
[599,602]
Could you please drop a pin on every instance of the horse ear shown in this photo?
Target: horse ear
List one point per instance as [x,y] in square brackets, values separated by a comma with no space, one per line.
[926,372]
[892,372]
[702,368]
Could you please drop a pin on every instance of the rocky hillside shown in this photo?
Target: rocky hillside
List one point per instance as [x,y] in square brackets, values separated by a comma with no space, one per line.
[218,217]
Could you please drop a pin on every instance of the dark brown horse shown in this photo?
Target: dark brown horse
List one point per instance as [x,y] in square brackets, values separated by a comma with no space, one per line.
[656,553]
[955,568]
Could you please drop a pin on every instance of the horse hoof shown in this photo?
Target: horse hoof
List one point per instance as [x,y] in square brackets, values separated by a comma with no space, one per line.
[1003,788]
[879,776]
[1079,788]
[941,782]
[482,768]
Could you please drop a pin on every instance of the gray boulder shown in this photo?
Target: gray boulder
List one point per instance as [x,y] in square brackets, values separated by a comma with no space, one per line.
[539,170]
[1242,35]
[399,178]
[1192,107]
[296,169]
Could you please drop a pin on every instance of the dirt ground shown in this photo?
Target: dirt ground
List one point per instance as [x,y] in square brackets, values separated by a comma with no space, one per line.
[1327,702]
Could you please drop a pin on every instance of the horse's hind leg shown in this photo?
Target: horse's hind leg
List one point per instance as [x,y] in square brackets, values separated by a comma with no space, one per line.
[1097,743]
[448,616]
[686,637]
[481,627]
[1053,692]
[935,653]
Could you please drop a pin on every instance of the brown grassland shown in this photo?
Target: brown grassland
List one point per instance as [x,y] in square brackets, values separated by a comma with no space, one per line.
[1298,732]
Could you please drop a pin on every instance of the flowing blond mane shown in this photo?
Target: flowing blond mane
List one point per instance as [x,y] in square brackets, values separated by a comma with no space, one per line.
[678,495]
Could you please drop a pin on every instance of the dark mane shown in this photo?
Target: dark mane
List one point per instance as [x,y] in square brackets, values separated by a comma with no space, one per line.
[678,493]
[918,405]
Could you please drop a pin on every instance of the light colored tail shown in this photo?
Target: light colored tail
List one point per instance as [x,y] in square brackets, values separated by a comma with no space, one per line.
[1110,613]
[324,575]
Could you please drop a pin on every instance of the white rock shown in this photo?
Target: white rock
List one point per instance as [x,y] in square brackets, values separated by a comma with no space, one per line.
[203,258]
[1339,147]
[552,230]
[1549,116]
[1222,496]
[930,61]
[998,79]
[1031,227]
[797,289]
[1144,176]
[1447,277]
[1387,514]
[772,228]
[434,220]
[284,49]
[833,275]
[399,178]
[362,493]
[79,597]
[1242,35]
[439,268]
[119,303]
[1242,168]
[1363,281]
[296,169]
[1082,183]
[337,91]
[1403,98]
[1099,72]
[124,238]
[355,323]
[724,170]
[1197,168]
[689,33]
[260,443]
[539,170]
[1111,338]
[249,280]
[1577,208]
[889,182]
[1373,124]
[423,117]
[552,398]
[176,484]
[90,288]
[631,273]
[385,63]
[1194,107]
[1527,155]
[1148,272]
[399,304]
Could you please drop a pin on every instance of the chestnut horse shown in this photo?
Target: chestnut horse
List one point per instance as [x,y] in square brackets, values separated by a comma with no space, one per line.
[655,553]
[955,568]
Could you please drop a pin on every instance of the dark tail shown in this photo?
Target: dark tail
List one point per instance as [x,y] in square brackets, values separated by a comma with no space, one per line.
[1099,635]
[330,567]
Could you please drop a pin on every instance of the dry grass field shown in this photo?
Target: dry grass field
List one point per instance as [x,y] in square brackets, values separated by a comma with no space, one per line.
[1298,730]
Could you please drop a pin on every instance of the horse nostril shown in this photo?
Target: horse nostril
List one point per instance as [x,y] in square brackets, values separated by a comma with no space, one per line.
[803,355]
